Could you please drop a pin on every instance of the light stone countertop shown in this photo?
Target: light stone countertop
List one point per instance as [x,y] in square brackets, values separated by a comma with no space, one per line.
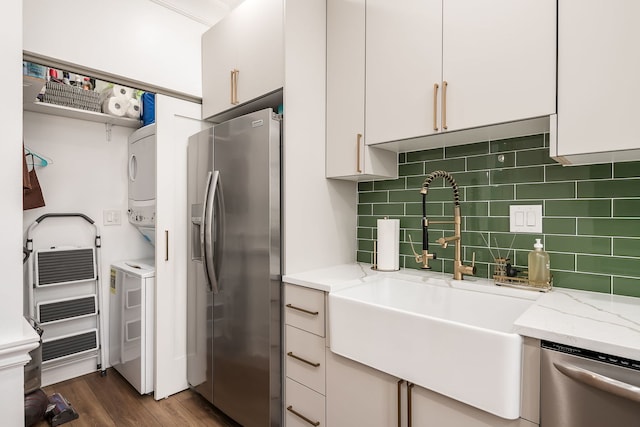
[599,322]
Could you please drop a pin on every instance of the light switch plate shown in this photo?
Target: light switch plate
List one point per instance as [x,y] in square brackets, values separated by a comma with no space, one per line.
[525,218]
[111,217]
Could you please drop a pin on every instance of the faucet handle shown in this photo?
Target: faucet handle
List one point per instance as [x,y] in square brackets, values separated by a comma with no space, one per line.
[472,268]
[443,242]
[417,256]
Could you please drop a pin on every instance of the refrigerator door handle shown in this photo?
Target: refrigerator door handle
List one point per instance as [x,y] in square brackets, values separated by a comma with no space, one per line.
[219,220]
[212,238]
[205,229]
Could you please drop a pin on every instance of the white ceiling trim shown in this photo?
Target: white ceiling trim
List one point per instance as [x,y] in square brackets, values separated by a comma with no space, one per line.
[205,12]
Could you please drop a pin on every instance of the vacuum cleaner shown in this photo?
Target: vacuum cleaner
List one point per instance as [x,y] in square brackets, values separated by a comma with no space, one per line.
[59,410]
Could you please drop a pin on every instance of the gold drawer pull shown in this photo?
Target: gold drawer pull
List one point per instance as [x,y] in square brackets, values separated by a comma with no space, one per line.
[313,313]
[290,354]
[294,412]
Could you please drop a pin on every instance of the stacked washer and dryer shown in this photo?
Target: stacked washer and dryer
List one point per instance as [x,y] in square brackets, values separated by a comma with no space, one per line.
[131,308]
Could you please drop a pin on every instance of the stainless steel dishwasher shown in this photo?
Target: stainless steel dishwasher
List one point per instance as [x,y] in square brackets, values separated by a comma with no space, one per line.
[583,388]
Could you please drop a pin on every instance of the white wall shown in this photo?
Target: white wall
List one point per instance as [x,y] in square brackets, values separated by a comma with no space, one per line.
[12,333]
[137,39]
[88,175]
[11,172]
[319,214]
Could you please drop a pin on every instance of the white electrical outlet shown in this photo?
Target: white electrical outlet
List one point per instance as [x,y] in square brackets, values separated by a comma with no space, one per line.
[111,217]
[525,218]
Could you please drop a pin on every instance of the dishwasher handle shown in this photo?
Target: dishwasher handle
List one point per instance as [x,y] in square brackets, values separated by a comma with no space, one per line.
[601,382]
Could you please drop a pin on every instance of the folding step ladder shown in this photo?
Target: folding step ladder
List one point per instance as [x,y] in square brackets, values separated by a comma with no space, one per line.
[65,298]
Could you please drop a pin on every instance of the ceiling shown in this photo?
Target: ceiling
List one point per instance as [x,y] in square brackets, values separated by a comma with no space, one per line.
[206,12]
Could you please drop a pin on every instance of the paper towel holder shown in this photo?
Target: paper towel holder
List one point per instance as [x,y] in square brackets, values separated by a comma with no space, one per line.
[374,265]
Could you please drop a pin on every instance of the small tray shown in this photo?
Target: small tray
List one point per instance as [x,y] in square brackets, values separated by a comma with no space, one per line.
[520,281]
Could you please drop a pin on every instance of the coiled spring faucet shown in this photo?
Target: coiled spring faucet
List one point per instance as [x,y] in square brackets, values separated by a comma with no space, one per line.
[459,269]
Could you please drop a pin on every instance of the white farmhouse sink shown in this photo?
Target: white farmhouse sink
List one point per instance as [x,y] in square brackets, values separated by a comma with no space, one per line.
[455,341]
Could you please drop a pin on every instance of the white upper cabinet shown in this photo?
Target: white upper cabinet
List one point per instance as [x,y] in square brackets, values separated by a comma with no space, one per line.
[243,56]
[442,65]
[598,84]
[403,63]
[348,157]
[499,60]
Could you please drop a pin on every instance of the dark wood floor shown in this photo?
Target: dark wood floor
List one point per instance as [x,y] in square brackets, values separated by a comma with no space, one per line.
[112,401]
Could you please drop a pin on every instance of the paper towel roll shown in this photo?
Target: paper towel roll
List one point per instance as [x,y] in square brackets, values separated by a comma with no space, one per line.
[116,91]
[115,106]
[388,244]
[122,91]
[133,111]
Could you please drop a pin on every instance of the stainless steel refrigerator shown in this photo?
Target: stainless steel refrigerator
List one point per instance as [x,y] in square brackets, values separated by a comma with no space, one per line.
[234,268]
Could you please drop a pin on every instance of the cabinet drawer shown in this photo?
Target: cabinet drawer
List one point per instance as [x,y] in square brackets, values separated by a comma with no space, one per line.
[304,358]
[303,407]
[304,309]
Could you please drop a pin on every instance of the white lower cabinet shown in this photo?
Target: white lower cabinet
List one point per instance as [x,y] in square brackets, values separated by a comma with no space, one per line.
[304,353]
[304,407]
[360,395]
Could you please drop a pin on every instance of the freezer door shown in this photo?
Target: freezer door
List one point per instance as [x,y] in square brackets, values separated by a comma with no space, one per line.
[199,295]
[246,310]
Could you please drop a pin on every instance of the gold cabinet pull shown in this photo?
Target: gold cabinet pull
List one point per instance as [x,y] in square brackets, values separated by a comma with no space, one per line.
[235,93]
[234,86]
[290,354]
[400,382]
[409,387]
[358,140]
[435,106]
[444,104]
[166,247]
[298,414]
[231,79]
[313,313]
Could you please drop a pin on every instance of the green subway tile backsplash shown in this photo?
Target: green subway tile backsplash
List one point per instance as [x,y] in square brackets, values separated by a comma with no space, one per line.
[626,170]
[410,169]
[609,188]
[626,247]
[626,286]
[563,173]
[559,225]
[466,150]
[420,156]
[582,245]
[513,175]
[591,213]
[556,190]
[578,208]
[391,184]
[627,227]
[516,144]
[449,165]
[388,209]
[491,161]
[626,208]
[615,266]
[533,157]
